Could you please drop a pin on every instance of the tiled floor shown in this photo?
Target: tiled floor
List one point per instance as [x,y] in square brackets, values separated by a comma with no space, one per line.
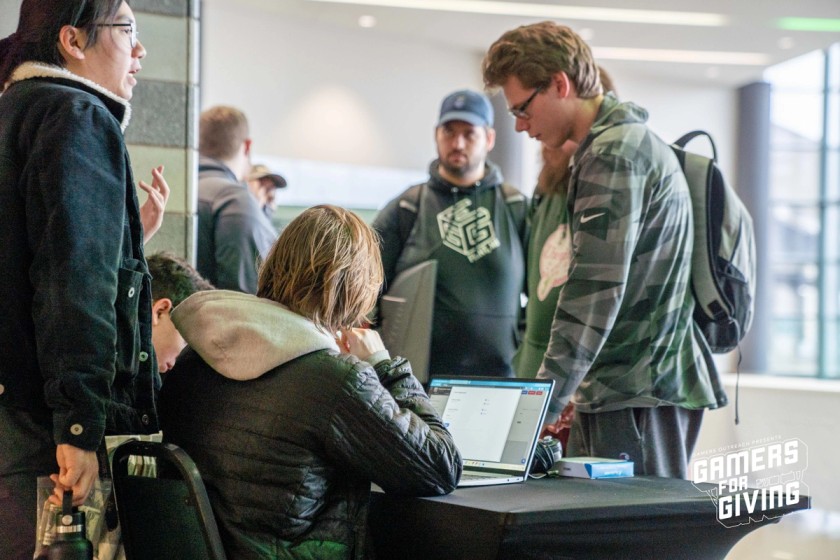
[807,535]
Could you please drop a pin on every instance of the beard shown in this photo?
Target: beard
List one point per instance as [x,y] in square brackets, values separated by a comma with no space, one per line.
[465,167]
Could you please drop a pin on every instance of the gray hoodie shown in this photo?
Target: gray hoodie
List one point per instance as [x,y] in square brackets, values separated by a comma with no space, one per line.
[242,336]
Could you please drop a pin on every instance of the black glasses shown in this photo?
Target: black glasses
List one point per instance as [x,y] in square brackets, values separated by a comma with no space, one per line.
[131,32]
[519,112]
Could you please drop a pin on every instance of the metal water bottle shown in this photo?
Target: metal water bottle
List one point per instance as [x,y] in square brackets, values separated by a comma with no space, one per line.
[70,542]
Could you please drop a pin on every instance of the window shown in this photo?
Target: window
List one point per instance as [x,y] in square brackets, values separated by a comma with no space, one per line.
[804,219]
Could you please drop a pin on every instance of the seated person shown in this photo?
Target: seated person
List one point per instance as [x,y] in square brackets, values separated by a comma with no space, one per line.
[173,280]
[290,411]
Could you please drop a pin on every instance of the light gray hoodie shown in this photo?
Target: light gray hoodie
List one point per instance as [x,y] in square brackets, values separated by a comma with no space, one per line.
[242,336]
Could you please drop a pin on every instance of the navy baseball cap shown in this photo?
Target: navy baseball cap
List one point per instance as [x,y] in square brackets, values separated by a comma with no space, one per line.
[468,106]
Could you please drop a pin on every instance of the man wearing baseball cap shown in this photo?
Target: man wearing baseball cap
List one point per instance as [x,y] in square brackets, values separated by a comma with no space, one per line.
[263,184]
[474,226]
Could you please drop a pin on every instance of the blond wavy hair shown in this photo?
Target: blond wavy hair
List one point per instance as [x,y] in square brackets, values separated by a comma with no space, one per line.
[326,266]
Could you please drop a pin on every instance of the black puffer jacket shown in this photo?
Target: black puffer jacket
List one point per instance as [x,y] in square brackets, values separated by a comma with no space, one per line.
[288,433]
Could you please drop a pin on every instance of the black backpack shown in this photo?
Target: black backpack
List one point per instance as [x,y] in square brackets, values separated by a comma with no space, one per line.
[723,268]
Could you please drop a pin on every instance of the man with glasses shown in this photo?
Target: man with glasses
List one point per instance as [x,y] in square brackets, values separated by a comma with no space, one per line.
[548,255]
[474,226]
[623,342]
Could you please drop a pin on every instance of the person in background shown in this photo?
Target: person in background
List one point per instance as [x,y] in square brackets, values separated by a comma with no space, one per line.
[75,326]
[475,227]
[173,280]
[623,341]
[290,410]
[263,184]
[234,234]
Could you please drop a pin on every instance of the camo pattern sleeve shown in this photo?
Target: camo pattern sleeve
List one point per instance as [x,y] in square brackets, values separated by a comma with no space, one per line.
[622,334]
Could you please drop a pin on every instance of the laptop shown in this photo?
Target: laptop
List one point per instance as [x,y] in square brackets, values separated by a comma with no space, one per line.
[495,422]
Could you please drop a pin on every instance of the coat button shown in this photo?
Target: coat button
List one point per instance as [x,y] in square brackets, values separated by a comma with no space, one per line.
[131,292]
[76,429]
[145,419]
[2,388]
[144,356]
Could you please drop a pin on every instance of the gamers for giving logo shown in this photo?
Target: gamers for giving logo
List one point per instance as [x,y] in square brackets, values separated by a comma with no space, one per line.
[749,482]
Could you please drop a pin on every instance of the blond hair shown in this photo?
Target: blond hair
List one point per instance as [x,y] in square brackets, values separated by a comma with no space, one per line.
[221,132]
[325,266]
[535,53]
[606,81]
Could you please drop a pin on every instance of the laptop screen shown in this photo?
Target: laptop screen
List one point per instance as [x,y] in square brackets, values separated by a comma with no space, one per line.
[495,422]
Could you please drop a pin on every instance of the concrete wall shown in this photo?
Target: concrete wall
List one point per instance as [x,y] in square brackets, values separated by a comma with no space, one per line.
[164,114]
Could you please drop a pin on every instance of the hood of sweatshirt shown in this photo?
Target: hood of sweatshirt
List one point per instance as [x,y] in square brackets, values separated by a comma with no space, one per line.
[492,178]
[242,336]
[613,112]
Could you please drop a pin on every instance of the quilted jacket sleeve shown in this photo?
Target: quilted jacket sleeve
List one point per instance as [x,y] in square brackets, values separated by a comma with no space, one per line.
[386,430]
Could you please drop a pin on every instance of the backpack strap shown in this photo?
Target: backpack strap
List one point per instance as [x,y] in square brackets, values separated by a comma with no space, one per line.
[689,136]
[407,210]
[511,194]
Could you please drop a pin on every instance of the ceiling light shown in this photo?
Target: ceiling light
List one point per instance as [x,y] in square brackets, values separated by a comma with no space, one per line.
[809,24]
[690,57]
[367,21]
[786,43]
[551,11]
[586,33]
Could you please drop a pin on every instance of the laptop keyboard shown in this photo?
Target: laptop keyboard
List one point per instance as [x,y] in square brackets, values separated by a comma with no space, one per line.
[467,476]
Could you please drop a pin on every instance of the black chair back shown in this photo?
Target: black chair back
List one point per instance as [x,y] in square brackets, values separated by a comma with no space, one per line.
[163,506]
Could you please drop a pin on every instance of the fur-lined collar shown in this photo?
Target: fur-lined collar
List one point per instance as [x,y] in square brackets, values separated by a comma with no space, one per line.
[29,70]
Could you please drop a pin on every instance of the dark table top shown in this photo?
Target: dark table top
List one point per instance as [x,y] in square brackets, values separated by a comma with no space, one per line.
[637,517]
[567,499]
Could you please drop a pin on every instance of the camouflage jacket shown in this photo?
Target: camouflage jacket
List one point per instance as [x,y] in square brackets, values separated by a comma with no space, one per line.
[623,334]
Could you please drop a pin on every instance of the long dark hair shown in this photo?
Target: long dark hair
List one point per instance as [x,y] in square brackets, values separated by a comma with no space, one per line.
[36,38]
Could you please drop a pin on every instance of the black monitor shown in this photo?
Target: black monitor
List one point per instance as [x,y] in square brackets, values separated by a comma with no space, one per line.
[406,315]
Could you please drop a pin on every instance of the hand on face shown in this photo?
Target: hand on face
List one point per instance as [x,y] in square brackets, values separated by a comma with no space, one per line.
[362,343]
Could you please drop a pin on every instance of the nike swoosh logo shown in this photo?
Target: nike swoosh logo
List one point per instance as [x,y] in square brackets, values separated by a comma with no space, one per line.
[584,219]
